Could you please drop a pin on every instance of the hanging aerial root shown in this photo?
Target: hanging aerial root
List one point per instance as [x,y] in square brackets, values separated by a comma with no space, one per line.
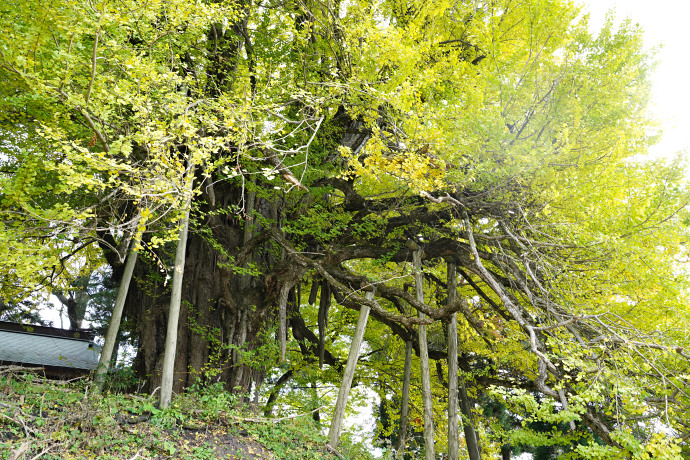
[282,318]
[324,306]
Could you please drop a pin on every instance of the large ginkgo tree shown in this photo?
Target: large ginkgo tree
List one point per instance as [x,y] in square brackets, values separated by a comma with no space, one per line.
[331,141]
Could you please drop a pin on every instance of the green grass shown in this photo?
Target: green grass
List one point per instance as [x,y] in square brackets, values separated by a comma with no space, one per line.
[58,420]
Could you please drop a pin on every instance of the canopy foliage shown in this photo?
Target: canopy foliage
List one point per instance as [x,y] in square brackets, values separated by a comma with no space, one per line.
[331,138]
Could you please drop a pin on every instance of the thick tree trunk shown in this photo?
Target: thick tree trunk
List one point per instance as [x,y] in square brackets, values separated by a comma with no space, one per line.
[216,321]
[222,312]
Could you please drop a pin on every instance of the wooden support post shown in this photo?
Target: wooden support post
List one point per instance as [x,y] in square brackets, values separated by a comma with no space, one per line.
[405,409]
[176,299]
[424,361]
[353,356]
[453,434]
[116,318]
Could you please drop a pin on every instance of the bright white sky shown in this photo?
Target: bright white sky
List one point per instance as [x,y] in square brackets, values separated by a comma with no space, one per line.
[665,23]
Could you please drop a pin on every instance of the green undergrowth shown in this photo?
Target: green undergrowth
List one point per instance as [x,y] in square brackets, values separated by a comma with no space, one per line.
[49,419]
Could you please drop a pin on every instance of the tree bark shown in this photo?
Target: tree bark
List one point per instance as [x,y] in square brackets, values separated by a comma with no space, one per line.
[223,312]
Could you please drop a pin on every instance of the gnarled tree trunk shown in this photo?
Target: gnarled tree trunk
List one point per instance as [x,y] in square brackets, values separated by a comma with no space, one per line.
[222,312]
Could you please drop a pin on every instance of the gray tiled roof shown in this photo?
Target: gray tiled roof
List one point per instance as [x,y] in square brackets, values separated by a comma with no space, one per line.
[42,350]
